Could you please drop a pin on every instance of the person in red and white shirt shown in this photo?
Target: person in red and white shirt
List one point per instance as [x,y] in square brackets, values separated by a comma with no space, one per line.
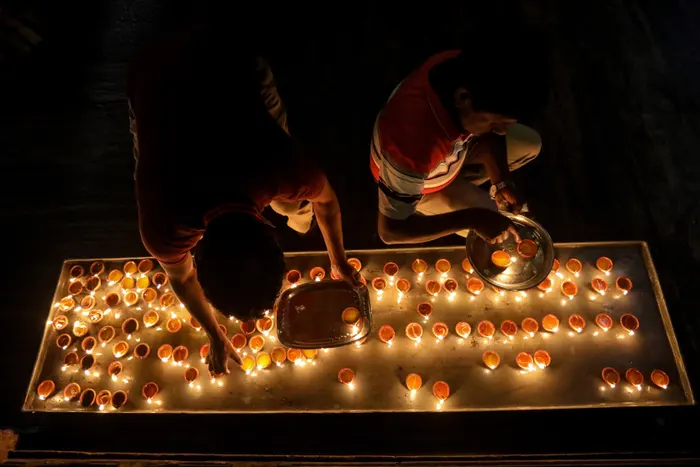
[449,126]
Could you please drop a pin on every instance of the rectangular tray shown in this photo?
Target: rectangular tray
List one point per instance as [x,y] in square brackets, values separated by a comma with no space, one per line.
[572,381]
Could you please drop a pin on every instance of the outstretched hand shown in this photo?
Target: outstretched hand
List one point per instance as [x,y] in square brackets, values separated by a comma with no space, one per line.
[346,272]
[220,350]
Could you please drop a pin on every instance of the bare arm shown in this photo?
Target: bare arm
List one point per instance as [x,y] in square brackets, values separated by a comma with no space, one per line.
[490,150]
[327,210]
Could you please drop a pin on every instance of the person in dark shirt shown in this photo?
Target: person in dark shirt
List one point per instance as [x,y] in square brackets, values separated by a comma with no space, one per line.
[212,151]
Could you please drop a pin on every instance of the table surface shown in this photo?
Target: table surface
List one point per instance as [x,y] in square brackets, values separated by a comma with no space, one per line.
[572,380]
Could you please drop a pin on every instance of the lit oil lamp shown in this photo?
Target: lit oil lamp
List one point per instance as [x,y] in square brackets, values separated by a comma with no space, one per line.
[491,359]
[413,382]
[130,326]
[106,334]
[577,323]
[173,325]
[309,354]
[149,391]
[451,287]
[294,355]
[263,360]
[379,284]
[130,268]
[433,287]
[143,282]
[128,283]
[71,359]
[629,323]
[75,287]
[278,355]
[604,264]
[542,359]
[131,298]
[93,283]
[119,398]
[574,266]
[611,376]
[391,269]
[527,249]
[604,321]
[87,362]
[248,327]
[60,322]
[120,349]
[264,325]
[463,329]
[114,369]
[71,392]
[66,304]
[486,329]
[355,263]
[45,389]
[165,351]
[347,377]
[142,350]
[425,309]
[167,299]
[239,341]
[149,295]
[414,331]
[204,352]
[145,266]
[104,397]
[500,258]
[87,302]
[150,318]
[635,378]
[112,299]
[317,274]
[88,344]
[420,267]
[623,284]
[293,277]
[191,375]
[386,334]
[660,378]
[114,276]
[546,285]
[160,279]
[79,329]
[403,285]
[509,329]
[256,343]
[196,325]
[76,271]
[95,316]
[467,266]
[180,354]
[569,289]
[440,330]
[443,266]
[87,398]
[525,361]
[247,364]
[97,268]
[441,390]
[63,341]
[599,286]
[550,323]
[530,326]
[475,285]
[351,317]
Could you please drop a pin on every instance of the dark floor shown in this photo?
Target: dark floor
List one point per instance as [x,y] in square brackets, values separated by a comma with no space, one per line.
[621,133]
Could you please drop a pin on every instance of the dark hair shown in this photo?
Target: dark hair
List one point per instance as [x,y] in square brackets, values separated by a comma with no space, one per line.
[513,85]
[240,265]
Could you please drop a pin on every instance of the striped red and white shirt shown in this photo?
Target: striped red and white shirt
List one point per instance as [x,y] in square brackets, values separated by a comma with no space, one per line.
[416,147]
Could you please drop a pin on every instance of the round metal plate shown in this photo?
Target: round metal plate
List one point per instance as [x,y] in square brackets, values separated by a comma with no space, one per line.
[522,273]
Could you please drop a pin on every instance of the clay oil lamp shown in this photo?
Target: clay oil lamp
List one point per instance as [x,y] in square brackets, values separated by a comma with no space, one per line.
[660,378]
[120,349]
[569,289]
[623,284]
[167,299]
[294,356]
[87,302]
[88,344]
[577,323]
[527,249]
[66,304]
[97,268]
[414,331]
[130,268]
[95,316]
[355,263]
[150,318]
[128,283]
[165,351]
[106,334]
[500,259]
[180,354]
[542,359]
[440,330]
[491,359]
[114,369]
[114,276]
[173,325]
[72,391]
[93,283]
[196,325]
[425,309]
[149,295]
[104,397]
[441,390]
[119,398]
[131,298]
[420,267]
[76,272]
[247,364]
[79,329]
[256,343]
[160,279]
[239,341]
[604,265]
[525,361]
[467,266]
[45,389]
[130,326]
[391,269]
[451,287]
[475,285]
[629,323]
[550,323]
[379,284]
[574,266]
[309,354]
[143,282]
[87,398]
[486,329]
[403,285]
[463,329]
[278,355]
[142,350]
[433,287]
[145,266]
[604,321]
[347,377]
[149,391]
[599,286]
[112,299]
[509,329]
[293,277]
[70,359]
[264,325]
[610,376]
[191,374]
[413,382]
[204,352]
[317,274]
[263,360]
[530,326]
[443,266]
[63,341]
[248,327]
[60,322]
[87,363]
[75,287]
[546,285]
[386,334]
[635,378]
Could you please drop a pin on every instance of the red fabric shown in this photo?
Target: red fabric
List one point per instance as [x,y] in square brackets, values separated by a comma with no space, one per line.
[415,129]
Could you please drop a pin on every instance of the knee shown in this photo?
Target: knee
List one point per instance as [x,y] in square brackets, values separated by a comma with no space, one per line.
[524,145]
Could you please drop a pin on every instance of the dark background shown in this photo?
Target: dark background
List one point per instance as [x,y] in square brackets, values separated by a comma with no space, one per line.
[621,132]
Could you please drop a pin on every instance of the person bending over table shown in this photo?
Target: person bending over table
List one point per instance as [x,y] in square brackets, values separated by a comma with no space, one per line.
[212,151]
[449,126]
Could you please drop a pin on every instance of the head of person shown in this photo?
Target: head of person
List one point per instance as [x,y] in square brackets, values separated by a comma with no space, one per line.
[491,90]
[240,265]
